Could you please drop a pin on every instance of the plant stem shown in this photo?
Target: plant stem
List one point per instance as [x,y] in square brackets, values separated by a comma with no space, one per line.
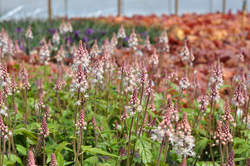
[159,155]
[44,153]
[210,127]
[95,100]
[1,148]
[76,112]
[166,150]
[26,107]
[129,139]
[79,143]
[221,155]
[144,116]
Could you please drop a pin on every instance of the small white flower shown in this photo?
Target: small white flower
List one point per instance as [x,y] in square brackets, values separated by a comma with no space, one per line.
[78,102]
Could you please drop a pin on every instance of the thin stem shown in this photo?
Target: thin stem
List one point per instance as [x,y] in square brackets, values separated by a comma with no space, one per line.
[144,116]
[76,112]
[95,100]
[221,155]
[210,136]
[235,118]
[227,154]
[1,154]
[79,143]
[13,127]
[129,139]
[138,119]
[159,155]
[26,107]
[166,150]
[44,153]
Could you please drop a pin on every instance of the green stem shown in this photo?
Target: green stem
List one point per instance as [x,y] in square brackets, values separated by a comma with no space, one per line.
[166,150]
[44,153]
[210,135]
[129,139]
[159,155]
[221,155]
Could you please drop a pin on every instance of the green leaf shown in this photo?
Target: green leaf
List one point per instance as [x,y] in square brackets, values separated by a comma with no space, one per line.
[23,131]
[144,150]
[201,145]
[202,163]
[97,151]
[69,163]
[22,150]
[59,159]
[12,159]
[61,146]
[91,160]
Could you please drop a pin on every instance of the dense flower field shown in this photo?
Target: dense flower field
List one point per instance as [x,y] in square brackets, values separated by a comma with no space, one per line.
[88,92]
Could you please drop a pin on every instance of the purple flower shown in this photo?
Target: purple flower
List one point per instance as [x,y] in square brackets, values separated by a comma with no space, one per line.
[103,32]
[126,39]
[89,31]
[76,33]
[85,39]
[21,47]
[70,39]
[19,30]
[52,31]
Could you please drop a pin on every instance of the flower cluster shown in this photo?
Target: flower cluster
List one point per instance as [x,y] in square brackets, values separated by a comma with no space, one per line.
[222,134]
[44,130]
[215,95]
[81,58]
[53,161]
[56,38]
[185,53]
[94,52]
[184,83]
[124,115]
[24,77]
[81,122]
[60,55]
[203,103]
[3,129]
[133,41]
[97,70]
[149,88]
[31,159]
[227,116]
[106,49]
[134,104]
[163,41]
[121,33]
[113,41]
[79,82]
[175,113]
[147,43]
[216,75]
[44,54]
[130,76]
[154,58]
[4,76]
[29,34]
[239,97]
[182,140]
[3,108]
[65,27]
[60,82]
[13,86]
[164,129]
[230,160]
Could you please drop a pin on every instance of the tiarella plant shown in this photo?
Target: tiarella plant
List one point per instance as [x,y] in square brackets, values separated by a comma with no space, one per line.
[122,97]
